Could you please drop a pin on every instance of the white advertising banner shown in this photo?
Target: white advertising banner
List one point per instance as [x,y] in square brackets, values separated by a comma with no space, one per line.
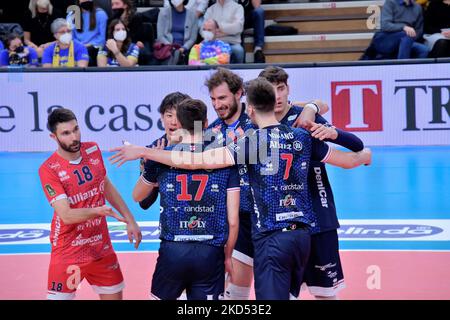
[385,105]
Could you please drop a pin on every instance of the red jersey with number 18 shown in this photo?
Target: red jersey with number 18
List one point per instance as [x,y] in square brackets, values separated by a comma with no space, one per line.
[82,183]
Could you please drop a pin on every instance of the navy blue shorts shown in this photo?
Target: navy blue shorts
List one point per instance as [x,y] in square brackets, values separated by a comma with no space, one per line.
[199,268]
[323,274]
[243,249]
[279,263]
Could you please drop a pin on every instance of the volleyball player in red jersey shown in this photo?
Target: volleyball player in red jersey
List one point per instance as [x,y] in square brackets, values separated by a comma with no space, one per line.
[76,185]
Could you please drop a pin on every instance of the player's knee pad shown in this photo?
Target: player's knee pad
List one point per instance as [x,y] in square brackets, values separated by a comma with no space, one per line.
[233,292]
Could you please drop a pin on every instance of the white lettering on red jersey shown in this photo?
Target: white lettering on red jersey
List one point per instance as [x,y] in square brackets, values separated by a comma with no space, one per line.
[82,183]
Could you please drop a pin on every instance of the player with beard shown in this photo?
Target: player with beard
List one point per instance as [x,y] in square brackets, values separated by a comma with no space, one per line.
[76,185]
[226,90]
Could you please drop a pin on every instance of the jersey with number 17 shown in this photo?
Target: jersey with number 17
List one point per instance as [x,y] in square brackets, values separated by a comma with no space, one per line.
[82,183]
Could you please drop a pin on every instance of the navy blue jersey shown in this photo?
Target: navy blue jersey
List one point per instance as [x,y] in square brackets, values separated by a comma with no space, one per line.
[193,205]
[155,143]
[318,182]
[221,135]
[278,159]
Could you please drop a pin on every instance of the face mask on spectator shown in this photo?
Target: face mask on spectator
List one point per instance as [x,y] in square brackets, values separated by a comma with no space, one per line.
[176,3]
[207,35]
[120,35]
[117,13]
[66,38]
[88,5]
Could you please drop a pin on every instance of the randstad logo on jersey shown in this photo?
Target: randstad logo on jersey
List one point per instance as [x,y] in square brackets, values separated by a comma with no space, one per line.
[193,223]
[386,231]
[13,235]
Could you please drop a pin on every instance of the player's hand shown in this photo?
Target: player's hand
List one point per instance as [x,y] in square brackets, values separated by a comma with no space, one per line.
[321,132]
[229,267]
[126,153]
[134,232]
[109,212]
[366,156]
[307,114]
[160,144]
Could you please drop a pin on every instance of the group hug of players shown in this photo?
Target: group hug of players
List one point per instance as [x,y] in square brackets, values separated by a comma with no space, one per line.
[246,196]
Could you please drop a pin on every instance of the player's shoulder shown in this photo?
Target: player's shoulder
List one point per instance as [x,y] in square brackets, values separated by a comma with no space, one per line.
[50,164]
[300,132]
[90,147]
[296,109]
[216,124]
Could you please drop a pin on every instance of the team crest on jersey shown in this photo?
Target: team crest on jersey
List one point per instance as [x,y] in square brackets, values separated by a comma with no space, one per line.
[298,146]
[51,192]
[91,149]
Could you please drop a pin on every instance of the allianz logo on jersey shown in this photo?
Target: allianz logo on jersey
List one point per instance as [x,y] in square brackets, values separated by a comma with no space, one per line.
[193,223]
[387,231]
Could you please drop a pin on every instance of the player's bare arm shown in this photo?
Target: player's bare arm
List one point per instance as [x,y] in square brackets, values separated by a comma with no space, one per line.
[309,113]
[233,224]
[210,159]
[73,216]
[142,189]
[115,199]
[349,160]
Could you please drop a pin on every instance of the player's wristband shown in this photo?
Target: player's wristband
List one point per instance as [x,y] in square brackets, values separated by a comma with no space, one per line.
[314,106]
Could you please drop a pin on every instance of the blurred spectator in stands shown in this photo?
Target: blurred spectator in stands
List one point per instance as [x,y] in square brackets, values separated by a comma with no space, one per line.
[119,50]
[401,28]
[65,52]
[62,5]
[178,26]
[92,31]
[199,6]
[105,5]
[437,28]
[230,17]
[38,19]
[141,33]
[1,45]
[423,3]
[254,18]
[16,54]
[210,51]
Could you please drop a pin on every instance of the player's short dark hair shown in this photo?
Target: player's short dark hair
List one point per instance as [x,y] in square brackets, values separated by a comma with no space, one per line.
[222,75]
[171,100]
[274,75]
[261,95]
[189,111]
[59,115]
